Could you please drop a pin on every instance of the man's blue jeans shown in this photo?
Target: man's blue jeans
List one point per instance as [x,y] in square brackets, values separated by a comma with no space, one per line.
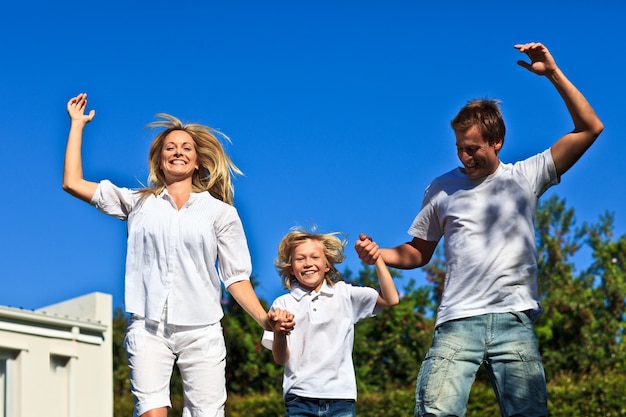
[313,407]
[505,343]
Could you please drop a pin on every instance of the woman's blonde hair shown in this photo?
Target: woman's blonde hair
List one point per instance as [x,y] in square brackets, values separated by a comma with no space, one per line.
[332,247]
[215,168]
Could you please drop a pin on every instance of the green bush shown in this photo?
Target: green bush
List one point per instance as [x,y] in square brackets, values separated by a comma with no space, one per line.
[598,394]
[255,405]
[400,402]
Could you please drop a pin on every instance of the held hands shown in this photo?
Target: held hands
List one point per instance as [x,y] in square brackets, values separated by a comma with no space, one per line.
[541,61]
[367,249]
[281,321]
[76,109]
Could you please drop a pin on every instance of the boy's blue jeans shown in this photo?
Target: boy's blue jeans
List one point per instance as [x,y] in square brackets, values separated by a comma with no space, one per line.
[505,343]
[314,407]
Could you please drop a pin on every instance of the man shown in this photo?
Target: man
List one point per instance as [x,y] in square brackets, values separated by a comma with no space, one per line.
[485,211]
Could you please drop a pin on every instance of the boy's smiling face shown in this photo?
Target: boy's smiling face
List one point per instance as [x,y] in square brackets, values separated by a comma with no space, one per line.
[309,265]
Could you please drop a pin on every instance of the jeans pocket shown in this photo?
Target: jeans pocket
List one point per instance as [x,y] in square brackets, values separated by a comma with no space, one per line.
[524,318]
[291,398]
[433,377]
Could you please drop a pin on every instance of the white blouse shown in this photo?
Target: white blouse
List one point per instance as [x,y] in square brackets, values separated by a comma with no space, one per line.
[177,257]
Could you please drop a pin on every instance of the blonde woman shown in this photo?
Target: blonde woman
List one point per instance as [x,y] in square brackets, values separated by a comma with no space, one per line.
[179,227]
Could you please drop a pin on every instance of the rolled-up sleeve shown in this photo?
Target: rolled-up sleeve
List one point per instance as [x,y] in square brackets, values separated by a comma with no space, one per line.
[114,201]
[233,255]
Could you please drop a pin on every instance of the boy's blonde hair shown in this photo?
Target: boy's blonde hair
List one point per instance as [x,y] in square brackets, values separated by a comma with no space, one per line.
[215,167]
[331,244]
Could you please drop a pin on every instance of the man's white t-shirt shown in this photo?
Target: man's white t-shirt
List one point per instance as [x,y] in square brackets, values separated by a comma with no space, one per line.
[489,236]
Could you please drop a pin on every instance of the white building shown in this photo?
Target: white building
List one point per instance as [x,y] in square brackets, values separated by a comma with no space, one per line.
[57,361]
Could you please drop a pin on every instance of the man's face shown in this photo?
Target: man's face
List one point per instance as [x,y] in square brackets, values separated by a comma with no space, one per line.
[478,157]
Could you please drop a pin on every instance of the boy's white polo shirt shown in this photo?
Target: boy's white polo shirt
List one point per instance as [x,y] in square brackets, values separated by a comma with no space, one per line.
[320,363]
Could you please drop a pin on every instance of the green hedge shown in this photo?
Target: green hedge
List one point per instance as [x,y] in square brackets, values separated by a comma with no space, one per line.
[598,395]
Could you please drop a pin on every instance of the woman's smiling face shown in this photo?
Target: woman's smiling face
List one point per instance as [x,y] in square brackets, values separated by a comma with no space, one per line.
[178,156]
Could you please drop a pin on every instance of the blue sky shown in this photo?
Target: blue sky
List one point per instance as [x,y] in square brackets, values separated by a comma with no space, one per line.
[338,114]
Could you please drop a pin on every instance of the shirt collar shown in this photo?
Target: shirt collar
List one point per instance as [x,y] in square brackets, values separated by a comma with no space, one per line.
[166,196]
[298,292]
